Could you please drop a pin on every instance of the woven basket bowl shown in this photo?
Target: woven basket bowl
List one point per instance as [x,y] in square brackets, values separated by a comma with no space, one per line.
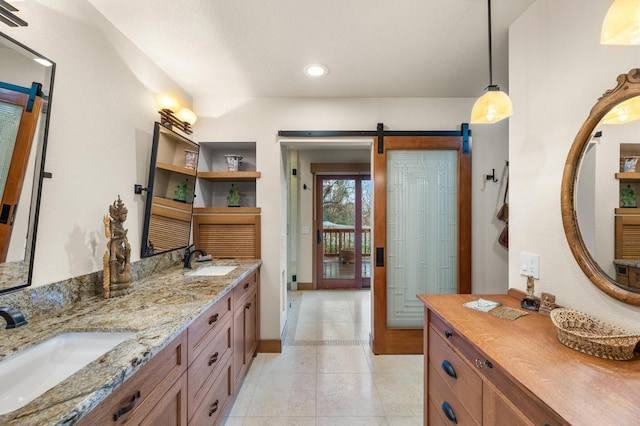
[591,336]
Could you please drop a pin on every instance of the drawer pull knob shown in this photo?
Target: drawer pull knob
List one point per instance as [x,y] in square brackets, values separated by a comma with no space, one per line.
[213,319]
[448,368]
[448,411]
[448,334]
[213,358]
[246,285]
[124,410]
[214,408]
[247,306]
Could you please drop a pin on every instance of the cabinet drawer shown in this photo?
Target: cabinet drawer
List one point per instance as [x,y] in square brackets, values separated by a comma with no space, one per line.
[203,329]
[441,396]
[217,399]
[244,288]
[142,391]
[209,363]
[462,380]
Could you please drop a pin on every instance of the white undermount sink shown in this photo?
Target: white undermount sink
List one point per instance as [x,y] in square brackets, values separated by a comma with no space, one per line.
[212,271]
[28,374]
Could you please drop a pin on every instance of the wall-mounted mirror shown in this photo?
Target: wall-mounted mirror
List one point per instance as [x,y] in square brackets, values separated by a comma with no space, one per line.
[26,84]
[600,196]
[170,192]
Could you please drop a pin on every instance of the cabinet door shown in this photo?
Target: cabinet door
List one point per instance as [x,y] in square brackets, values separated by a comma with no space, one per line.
[171,410]
[238,345]
[250,327]
[498,411]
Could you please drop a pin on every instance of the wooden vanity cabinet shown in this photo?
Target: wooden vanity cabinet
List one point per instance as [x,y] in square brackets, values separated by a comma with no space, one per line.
[156,394]
[463,386]
[516,372]
[192,380]
[246,325]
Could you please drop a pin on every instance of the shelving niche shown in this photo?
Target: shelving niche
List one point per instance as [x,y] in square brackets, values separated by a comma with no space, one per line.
[218,229]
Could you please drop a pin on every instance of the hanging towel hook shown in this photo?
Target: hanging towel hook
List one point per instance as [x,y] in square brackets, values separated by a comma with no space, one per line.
[492,176]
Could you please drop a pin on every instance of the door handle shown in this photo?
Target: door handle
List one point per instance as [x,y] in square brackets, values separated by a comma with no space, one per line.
[4,213]
[318,237]
[379,256]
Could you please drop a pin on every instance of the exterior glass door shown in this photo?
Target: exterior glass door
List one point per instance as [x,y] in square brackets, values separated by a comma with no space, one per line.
[344,231]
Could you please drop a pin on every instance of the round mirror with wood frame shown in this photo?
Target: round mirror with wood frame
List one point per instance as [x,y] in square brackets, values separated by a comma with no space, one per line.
[628,87]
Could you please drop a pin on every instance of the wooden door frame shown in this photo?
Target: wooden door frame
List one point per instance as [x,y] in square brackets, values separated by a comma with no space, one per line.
[10,197]
[386,340]
[356,282]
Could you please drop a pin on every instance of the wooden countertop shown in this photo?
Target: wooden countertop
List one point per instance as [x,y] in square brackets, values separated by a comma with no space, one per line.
[583,389]
[158,308]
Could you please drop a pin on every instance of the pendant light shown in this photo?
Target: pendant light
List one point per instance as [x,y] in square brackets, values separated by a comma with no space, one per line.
[494,105]
[621,25]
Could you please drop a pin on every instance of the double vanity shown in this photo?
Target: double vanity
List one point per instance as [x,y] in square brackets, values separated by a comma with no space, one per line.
[180,346]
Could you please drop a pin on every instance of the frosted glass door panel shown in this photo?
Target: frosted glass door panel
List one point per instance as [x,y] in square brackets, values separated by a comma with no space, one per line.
[422,231]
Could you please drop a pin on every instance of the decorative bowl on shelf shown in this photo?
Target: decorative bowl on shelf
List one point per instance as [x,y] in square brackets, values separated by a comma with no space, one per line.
[591,336]
[233,161]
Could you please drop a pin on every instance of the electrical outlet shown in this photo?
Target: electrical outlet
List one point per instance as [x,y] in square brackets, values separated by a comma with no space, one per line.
[530,265]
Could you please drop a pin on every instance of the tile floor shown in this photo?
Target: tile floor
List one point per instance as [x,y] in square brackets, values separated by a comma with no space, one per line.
[327,374]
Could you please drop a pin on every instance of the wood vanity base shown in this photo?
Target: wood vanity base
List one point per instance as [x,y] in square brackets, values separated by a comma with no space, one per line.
[482,369]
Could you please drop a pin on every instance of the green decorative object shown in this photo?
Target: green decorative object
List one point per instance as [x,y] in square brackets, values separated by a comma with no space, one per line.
[627,197]
[182,191]
[233,199]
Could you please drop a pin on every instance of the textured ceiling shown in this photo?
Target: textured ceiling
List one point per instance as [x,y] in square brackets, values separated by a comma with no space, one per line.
[373,48]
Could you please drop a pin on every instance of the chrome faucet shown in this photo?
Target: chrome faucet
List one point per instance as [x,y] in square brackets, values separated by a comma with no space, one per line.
[13,317]
[188,254]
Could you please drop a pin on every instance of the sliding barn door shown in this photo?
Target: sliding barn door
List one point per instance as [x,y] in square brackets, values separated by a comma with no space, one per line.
[19,114]
[422,234]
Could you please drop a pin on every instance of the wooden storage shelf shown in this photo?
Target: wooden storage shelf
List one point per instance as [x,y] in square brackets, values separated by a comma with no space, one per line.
[229,176]
[226,210]
[627,210]
[176,169]
[628,176]
[166,202]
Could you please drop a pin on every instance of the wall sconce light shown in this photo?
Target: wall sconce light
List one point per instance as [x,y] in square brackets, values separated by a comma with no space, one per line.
[172,113]
[621,25]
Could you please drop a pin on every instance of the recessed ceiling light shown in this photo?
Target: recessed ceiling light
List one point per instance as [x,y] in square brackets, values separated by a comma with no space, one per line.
[315,70]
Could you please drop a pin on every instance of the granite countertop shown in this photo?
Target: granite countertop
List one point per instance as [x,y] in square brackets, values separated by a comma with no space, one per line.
[158,308]
[627,262]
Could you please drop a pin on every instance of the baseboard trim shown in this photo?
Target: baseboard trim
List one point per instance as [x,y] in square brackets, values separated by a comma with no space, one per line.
[270,346]
[305,286]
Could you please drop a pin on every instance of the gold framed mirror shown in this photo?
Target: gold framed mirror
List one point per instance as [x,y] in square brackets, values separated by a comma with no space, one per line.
[627,88]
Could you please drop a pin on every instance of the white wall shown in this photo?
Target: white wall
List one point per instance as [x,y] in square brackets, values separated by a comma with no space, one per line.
[100,140]
[558,70]
[260,119]
[100,135]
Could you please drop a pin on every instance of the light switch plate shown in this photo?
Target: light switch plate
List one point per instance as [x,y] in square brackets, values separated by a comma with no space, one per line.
[530,264]
[306,230]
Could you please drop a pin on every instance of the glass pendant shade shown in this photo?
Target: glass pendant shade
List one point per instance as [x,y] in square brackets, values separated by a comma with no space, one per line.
[187,116]
[621,25]
[491,107]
